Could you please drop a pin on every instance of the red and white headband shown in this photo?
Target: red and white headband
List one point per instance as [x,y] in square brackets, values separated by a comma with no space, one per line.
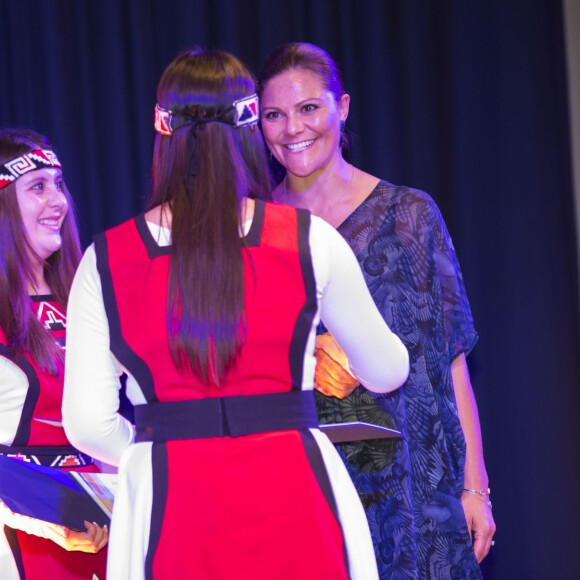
[11,170]
[243,112]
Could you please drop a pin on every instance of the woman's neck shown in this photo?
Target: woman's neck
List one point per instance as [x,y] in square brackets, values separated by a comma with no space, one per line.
[316,188]
[332,194]
[40,285]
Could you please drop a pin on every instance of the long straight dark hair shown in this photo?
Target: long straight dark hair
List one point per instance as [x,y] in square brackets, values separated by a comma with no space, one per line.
[24,333]
[202,172]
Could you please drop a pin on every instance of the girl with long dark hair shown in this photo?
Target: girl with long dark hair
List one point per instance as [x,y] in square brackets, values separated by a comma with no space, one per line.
[39,252]
[209,301]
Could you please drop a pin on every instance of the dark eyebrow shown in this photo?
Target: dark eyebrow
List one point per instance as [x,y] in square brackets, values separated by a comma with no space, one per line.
[298,104]
[44,177]
[307,100]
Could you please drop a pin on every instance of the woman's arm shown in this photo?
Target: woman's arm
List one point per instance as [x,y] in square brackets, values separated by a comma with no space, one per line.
[477,511]
[91,390]
[376,356]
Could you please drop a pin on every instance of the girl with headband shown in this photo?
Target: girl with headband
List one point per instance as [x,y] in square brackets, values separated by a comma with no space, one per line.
[209,301]
[38,256]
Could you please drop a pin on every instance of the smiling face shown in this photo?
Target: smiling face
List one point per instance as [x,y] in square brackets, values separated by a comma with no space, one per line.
[43,205]
[301,121]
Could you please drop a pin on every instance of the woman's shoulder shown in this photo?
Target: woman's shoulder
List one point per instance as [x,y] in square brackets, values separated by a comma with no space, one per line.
[401,202]
[282,212]
[392,211]
[403,194]
[119,228]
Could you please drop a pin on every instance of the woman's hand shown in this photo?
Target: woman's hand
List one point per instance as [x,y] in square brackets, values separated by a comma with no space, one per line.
[479,523]
[331,376]
[91,541]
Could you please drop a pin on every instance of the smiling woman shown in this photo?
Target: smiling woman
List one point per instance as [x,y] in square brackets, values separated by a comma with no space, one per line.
[300,118]
[38,257]
[426,496]
[43,204]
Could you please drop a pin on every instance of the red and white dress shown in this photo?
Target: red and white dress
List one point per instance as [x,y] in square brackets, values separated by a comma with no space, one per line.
[31,430]
[248,502]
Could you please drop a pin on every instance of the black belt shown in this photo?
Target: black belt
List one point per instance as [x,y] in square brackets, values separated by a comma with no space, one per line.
[225,416]
[49,456]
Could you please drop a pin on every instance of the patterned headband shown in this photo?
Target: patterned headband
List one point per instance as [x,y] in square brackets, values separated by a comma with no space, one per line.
[242,112]
[37,159]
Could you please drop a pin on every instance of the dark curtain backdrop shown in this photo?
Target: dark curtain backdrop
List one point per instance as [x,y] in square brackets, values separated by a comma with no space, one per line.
[465,99]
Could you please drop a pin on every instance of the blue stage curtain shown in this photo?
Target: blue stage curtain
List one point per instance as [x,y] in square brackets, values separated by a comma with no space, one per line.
[465,99]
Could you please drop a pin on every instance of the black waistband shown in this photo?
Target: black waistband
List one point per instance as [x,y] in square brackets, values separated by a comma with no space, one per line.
[225,416]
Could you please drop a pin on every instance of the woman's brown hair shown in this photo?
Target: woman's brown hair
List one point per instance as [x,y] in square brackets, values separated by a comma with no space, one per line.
[24,333]
[202,172]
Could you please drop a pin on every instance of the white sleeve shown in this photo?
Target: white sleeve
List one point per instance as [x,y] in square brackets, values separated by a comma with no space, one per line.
[13,389]
[376,356]
[91,386]
[20,522]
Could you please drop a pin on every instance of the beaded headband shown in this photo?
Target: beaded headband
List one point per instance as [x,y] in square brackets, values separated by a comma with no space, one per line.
[37,159]
[242,112]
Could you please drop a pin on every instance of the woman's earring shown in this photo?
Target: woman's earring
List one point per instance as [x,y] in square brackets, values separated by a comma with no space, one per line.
[342,126]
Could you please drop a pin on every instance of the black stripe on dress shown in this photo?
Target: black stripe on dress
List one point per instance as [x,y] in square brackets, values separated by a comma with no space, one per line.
[154,250]
[119,346]
[23,431]
[159,467]
[316,461]
[308,311]
[255,232]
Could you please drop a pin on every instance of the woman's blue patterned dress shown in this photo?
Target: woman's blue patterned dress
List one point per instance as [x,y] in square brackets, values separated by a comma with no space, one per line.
[411,488]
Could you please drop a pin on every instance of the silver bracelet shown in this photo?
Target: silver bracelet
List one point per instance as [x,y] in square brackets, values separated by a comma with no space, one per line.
[482,494]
